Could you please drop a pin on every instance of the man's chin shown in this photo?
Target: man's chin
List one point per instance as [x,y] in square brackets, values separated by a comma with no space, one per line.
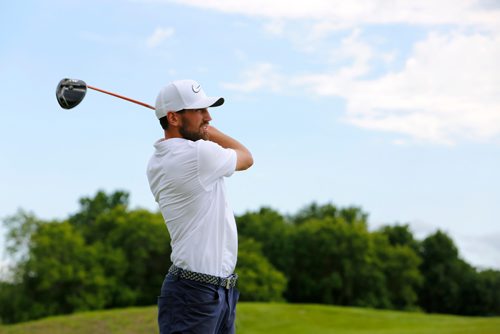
[193,136]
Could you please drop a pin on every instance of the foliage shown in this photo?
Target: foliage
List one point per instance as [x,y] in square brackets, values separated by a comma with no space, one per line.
[259,280]
[343,270]
[398,253]
[442,270]
[104,256]
[107,255]
[273,233]
[400,235]
[20,227]
[453,286]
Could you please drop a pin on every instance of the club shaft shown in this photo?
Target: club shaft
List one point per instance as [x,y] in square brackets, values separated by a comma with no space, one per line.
[122,97]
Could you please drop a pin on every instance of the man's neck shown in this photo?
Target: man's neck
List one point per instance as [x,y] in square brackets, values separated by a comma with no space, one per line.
[172,133]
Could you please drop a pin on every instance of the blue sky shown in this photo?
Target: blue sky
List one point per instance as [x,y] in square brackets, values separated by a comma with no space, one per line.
[390,106]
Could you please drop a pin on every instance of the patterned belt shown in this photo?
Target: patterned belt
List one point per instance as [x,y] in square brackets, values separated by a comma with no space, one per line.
[227,282]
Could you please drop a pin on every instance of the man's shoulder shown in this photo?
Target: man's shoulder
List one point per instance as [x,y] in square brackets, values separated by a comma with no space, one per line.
[208,145]
[209,150]
[180,142]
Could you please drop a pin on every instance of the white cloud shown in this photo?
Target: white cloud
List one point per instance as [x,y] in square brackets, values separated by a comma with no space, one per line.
[336,14]
[159,36]
[357,51]
[447,91]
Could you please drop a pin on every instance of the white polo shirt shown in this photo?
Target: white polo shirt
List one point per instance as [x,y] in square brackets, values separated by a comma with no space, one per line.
[187,180]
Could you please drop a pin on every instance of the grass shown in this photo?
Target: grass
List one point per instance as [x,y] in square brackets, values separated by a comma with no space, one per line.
[290,319]
[269,318]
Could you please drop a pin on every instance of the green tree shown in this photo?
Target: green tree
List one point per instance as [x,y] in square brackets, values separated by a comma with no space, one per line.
[335,263]
[271,230]
[489,290]
[20,227]
[400,235]
[15,303]
[58,274]
[480,292]
[137,242]
[143,239]
[315,211]
[444,274]
[399,263]
[103,256]
[92,207]
[259,280]
[63,272]
[107,255]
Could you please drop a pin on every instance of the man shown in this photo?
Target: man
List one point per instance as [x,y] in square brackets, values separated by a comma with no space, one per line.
[186,176]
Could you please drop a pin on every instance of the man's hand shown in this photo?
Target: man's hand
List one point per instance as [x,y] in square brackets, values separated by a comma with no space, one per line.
[244,157]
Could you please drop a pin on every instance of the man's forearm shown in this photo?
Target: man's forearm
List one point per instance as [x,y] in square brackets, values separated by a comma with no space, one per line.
[245,159]
[223,140]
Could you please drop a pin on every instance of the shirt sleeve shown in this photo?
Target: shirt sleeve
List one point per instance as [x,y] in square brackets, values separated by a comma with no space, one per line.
[214,162]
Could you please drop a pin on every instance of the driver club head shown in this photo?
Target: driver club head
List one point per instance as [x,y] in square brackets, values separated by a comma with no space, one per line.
[70,92]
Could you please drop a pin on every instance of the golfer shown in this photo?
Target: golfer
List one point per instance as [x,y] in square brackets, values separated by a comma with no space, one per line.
[186,176]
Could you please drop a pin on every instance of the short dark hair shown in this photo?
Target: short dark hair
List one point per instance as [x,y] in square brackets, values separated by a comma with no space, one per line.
[164,121]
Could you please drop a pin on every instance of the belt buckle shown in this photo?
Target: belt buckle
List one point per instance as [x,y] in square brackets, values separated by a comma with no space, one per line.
[228,283]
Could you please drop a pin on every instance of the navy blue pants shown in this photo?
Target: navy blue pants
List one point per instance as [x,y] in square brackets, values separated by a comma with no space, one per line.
[186,306]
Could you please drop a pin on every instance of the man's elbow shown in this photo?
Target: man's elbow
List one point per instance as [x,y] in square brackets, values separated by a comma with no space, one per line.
[244,162]
[249,162]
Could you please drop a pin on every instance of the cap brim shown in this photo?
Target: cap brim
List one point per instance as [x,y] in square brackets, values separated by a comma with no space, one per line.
[207,103]
[219,102]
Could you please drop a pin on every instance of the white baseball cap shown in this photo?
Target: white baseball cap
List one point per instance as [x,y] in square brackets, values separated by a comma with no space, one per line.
[183,94]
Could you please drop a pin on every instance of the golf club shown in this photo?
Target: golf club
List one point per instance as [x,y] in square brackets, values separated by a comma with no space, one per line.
[70,92]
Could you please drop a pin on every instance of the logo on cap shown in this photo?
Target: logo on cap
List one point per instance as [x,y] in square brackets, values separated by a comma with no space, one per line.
[196,89]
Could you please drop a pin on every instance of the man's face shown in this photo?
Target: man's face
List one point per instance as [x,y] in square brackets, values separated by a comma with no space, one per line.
[194,123]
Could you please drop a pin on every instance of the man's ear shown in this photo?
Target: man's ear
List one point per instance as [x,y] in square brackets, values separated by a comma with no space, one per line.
[173,118]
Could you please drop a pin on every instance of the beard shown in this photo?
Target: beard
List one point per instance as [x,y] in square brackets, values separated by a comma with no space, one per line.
[188,134]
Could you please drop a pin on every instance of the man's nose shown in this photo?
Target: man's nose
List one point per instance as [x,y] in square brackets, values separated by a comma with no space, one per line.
[206,116]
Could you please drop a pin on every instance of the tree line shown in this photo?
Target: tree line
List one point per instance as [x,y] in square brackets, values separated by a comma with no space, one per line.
[108,255]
